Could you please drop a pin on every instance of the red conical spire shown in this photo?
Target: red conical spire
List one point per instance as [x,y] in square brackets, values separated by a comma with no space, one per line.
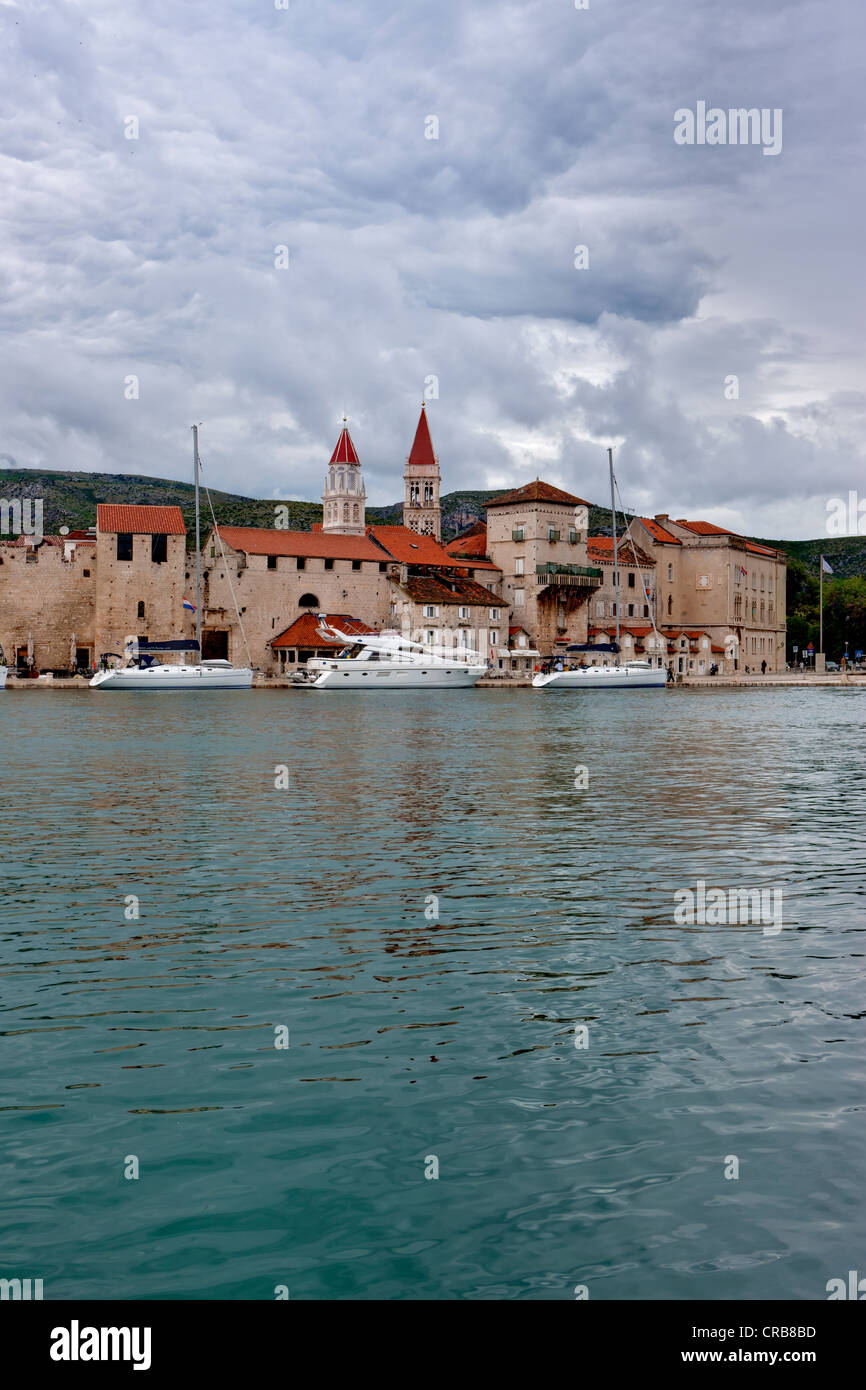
[345,451]
[422,455]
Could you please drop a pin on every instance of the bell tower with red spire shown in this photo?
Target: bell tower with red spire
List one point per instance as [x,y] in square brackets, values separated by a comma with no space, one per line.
[421,510]
[345,497]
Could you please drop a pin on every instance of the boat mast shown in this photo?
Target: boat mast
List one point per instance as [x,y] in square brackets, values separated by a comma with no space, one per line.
[197,544]
[615,551]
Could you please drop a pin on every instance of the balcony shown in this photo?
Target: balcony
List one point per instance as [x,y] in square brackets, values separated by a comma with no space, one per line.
[517,534]
[570,576]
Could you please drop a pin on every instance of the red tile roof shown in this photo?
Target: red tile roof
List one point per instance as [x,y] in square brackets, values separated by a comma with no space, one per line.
[255,540]
[658,532]
[409,547]
[471,543]
[706,528]
[601,547]
[537,492]
[141,521]
[345,451]
[762,550]
[428,588]
[421,458]
[302,632]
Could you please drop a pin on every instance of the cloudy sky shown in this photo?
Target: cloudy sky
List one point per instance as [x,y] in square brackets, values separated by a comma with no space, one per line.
[409,258]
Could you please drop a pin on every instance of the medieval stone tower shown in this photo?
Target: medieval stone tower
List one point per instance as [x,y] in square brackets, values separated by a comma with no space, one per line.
[345,497]
[421,510]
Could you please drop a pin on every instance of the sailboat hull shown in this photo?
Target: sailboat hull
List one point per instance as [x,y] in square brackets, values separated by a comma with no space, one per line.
[195,678]
[597,678]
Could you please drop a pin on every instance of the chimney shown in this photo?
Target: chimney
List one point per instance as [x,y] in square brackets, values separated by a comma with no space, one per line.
[661,516]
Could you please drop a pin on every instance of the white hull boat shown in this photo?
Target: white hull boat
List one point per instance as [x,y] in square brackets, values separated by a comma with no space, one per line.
[388,661]
[4,671]
[634,675]
[209,675]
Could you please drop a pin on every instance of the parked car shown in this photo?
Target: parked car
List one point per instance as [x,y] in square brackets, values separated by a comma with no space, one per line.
[831,666]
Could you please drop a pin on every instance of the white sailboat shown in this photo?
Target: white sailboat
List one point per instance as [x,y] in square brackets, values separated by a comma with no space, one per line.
[611,675]
[388,661]
[143,672]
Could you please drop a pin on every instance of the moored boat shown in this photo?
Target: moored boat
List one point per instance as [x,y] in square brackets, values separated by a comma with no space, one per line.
[389,661]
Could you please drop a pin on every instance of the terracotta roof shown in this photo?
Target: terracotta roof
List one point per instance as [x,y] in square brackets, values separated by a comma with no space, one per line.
[409,547]
[658,532]
[421,457]
[469,563]
[255,540]
[471,543]
[602,546]
[706,528]
[141,521]
[762,550]
[345,451]
[537,492]
[427,588]
[714,648]
[302,632]
[513,630]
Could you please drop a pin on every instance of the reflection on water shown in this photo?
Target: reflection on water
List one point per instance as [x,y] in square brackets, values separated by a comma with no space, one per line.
[432,909]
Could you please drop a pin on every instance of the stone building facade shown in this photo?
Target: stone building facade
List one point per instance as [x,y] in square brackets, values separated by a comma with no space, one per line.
[537,537]
[713,581]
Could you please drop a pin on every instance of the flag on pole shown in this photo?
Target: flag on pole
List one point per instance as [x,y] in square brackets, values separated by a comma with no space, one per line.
[825,567]
[188,605]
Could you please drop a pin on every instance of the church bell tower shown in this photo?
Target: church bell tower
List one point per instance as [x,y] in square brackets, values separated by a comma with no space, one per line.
[421,510]
[345,496]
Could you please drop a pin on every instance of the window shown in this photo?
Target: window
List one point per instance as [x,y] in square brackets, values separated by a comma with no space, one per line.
[464,612]
[670,604]
[86,573]
[301,562]
[703,581]
[356,564]
[429,635]
[519,598]
[670,574]
[599,608]
[272,562]
[345,511]
[329,564]
[308,601]
[518,565]
[494,637]
[631,579]
[572,536]
[646,610]
[213,552]
[762,583]
[521,640]
[159,549]
[552,533]
[383,565]
[124,545]
[430,611]
[355,512]
[517,533]
[631,610]
[140,613]
[494,613]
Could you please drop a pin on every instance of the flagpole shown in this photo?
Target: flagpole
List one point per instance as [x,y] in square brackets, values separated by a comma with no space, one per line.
[821,606]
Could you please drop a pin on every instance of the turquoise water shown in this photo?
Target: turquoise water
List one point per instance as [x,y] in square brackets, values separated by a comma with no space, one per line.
[411,1037]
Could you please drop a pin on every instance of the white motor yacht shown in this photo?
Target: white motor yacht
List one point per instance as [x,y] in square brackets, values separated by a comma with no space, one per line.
[389,661]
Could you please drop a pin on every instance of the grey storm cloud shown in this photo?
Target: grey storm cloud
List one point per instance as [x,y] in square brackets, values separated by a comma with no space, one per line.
[306,127]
